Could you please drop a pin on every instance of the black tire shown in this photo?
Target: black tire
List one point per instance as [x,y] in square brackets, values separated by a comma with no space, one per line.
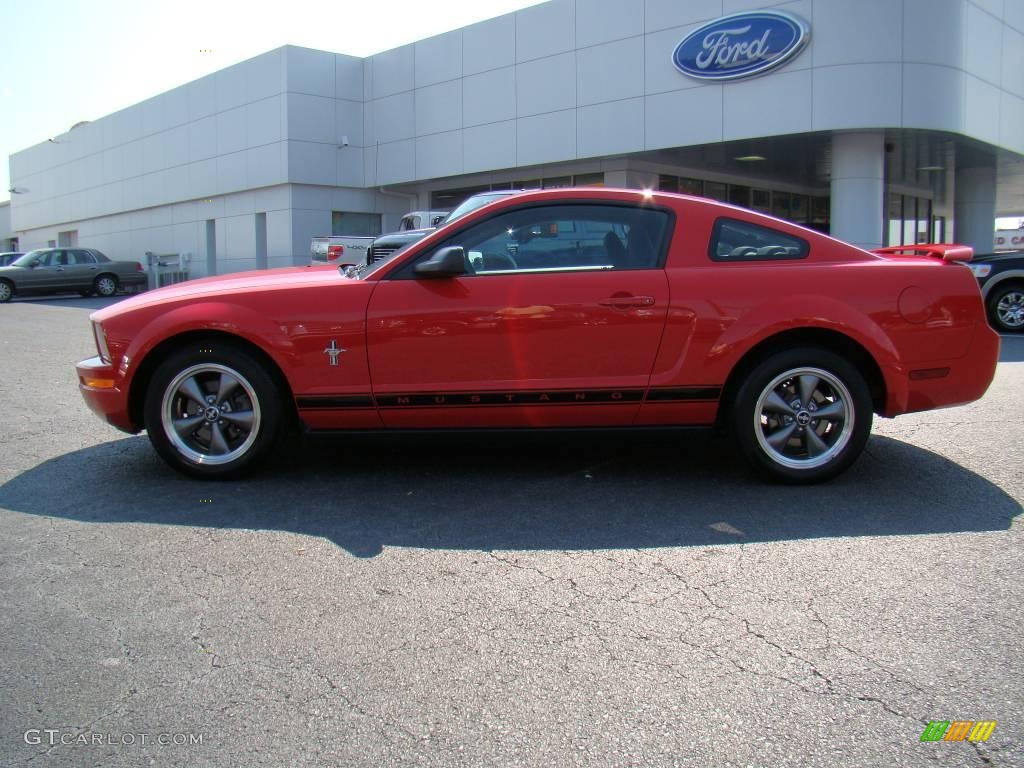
[248,440]
[105,285]
[6,291]
[788,444]
[1008,318]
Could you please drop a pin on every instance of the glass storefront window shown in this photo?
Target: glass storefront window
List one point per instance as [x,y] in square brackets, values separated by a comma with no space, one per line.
[780,204]
[895,220]
[798,208]
[739,195]
[668,183]
[716,191]
[909,220]
[557,182]
[691,187]
[355,224]
[760,200]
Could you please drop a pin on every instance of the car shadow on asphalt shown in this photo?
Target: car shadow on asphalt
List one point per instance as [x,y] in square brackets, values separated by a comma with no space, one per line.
[519,492]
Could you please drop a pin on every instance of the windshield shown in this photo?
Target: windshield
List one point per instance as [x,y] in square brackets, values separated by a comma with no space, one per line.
[471,204]
[28,258]
[468,206]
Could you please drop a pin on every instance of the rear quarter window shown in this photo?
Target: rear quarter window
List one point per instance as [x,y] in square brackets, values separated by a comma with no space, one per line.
[735,240]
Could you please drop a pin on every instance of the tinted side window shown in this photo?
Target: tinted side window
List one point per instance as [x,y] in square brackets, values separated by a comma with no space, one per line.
[734,240]
[83,257]
[565,238]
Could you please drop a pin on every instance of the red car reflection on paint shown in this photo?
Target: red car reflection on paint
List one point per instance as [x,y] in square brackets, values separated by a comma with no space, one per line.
[570,308]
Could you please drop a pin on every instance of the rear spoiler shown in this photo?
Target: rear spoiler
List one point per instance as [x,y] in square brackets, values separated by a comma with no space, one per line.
[944,251]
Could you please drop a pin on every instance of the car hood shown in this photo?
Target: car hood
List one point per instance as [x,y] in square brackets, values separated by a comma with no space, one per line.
[227,285]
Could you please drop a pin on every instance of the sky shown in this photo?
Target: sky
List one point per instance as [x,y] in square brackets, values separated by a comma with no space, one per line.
[66,60]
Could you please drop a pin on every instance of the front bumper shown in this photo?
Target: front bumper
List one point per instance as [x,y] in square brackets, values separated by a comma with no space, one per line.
[104,393]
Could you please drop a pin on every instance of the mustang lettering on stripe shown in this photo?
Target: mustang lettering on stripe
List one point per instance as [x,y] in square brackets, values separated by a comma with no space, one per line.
[523,398]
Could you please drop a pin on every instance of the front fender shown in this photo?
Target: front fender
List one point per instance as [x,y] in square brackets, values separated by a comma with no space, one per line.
[217,316]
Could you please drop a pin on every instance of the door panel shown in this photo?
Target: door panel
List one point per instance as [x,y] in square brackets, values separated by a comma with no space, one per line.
[81,270]
[48,276]
[556,348]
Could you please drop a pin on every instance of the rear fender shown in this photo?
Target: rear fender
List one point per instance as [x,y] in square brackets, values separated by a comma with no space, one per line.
[777,316]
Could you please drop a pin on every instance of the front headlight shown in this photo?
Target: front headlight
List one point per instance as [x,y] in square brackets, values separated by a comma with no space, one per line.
[101,342]
[980,270]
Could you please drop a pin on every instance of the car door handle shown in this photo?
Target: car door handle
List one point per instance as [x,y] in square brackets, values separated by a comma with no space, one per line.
[621,302]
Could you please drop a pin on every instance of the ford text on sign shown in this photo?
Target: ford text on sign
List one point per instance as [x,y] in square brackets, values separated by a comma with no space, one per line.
[741,45]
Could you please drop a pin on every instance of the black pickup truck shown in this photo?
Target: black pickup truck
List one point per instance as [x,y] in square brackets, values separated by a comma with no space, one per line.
[387,244]
[1001,277]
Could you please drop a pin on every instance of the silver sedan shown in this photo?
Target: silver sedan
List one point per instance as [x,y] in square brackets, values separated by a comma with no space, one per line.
[57,270]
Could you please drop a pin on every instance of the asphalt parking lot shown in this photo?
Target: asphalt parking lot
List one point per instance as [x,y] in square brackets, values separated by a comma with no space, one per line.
[482,601]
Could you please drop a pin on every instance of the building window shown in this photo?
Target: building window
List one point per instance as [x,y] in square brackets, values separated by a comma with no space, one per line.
[557,182]
[716,191]
[691,186]
[355,224]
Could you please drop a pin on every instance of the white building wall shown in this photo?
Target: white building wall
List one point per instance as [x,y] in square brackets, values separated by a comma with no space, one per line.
[573,79]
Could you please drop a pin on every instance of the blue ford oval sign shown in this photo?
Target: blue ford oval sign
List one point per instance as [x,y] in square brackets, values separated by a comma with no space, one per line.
[741,45]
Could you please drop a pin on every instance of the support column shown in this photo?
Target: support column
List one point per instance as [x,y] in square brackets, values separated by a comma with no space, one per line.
[974,208]
[858,187]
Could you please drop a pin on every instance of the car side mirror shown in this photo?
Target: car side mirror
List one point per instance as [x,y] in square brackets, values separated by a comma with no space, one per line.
[34,263]
[447,262]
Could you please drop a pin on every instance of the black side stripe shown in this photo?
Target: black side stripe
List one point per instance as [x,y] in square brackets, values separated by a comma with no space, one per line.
[335,402]
[522,398]
[683,394]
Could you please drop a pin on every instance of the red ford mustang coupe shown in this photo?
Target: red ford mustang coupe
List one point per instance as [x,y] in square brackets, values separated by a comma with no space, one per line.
[563,308]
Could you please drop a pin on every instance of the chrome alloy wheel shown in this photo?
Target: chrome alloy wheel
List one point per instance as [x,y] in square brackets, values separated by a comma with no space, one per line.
[210,414]
[5,291]
[804,418]
[106,286]
[1010,309]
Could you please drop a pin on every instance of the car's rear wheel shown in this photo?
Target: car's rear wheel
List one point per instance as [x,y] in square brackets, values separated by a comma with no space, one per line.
[802,416]
[6,291]
[1006,307]
[105,285]
[213,411]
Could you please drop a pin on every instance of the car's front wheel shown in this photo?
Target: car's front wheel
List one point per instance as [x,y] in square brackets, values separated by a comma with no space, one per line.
[213,411]
[802,415]
[6,291]
[1006,307]
[105,285]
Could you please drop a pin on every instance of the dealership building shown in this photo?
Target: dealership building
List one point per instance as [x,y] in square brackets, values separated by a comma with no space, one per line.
[883,122]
